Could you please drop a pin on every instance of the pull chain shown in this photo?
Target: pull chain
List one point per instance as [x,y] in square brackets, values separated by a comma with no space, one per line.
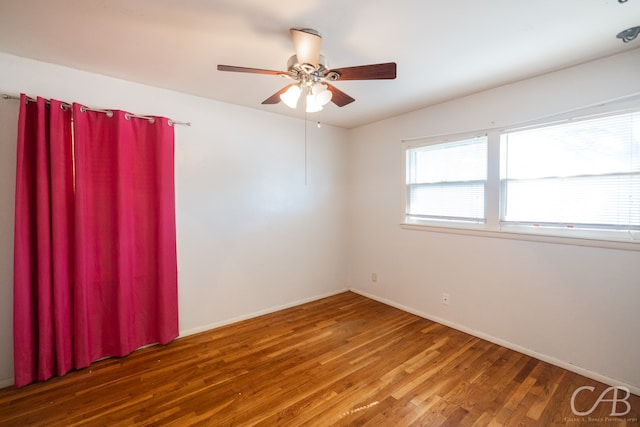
[305,148]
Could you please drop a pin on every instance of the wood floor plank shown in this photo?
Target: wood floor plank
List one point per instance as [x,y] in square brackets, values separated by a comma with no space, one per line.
[343,360]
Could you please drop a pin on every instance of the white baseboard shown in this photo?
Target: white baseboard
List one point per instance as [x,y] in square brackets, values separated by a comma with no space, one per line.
[545,358]
[7,382]
[236,319]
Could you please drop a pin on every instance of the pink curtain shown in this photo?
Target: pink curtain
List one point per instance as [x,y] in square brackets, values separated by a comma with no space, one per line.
[95,242]
[43,269]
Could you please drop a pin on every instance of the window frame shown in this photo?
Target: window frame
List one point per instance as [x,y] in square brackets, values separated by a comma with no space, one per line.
[494,194]
[417,219]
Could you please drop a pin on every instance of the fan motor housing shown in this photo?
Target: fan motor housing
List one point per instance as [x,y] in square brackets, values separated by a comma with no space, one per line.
[320,73]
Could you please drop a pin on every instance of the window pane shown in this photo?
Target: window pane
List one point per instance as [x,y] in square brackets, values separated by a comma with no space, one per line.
[583,173]
[449,201]
[450,162]
[604,200]
[447,181]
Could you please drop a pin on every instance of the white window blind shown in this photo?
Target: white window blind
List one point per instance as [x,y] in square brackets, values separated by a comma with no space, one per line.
[583,174]
[447,181]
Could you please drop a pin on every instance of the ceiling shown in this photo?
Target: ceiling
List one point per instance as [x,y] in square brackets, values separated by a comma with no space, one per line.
[444,49]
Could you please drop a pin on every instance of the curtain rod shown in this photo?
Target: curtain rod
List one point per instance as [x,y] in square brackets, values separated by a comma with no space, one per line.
[109,113]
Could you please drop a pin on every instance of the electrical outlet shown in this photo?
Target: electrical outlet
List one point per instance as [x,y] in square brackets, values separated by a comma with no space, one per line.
[374,277]
[445,298]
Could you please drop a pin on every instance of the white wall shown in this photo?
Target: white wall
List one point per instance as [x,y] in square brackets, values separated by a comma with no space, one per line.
[252,237]
[575,306]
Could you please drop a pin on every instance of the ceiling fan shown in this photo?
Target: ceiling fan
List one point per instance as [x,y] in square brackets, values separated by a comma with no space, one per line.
[308,69]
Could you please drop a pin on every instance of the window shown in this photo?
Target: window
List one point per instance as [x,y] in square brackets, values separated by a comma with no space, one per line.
[576,178]
[446,181]
[583,174]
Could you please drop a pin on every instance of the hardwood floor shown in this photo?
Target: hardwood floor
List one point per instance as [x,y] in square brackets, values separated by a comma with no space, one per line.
[343,360]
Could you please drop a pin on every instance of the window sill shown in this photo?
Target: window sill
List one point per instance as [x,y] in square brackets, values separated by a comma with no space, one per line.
[518,233]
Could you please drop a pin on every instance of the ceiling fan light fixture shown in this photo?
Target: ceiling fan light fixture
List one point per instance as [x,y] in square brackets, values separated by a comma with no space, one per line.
[311,75]
[321,94]
[313,106]
[291,96]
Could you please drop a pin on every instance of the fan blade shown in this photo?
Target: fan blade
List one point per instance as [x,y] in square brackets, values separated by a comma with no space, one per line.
[368,72]
[306,43]
[275,98]
[338,97]
[249,70]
